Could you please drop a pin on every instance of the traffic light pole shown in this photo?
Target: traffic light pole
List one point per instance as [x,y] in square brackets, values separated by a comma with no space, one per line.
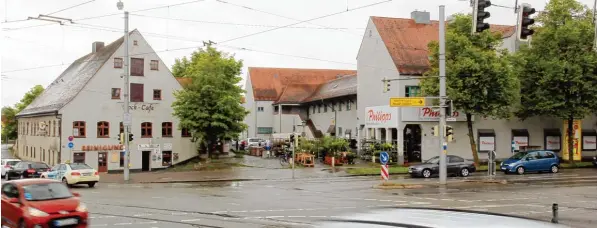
[442,94]
[126,116]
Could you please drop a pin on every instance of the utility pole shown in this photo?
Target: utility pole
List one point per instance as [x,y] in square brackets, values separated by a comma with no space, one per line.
[127,118]
[442,94]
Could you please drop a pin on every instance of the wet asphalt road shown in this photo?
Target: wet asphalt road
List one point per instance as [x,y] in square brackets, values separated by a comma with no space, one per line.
[302,203]
[5,152]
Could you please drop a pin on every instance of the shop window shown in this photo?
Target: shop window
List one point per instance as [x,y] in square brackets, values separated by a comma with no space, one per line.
[552,138]
[166,158]
[167,129]
[325,108]
[333,106]
[313,109]
[318,108]
[146,130]
[117,62]
[137,66]
[185,132]
[153,65]
[121,127]
[115,93]
[340,106]
[136,92]
[121,159]
[520,137]
[486,139]
[265,130]
[43,155]
[412,91]
[79,129]
[79,157]
[589,140]
[260,109]
[157,94]
[103,129]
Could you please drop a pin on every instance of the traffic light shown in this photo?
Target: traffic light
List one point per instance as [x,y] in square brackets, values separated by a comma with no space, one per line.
[121,138]
[449,133]
[292,138]
[435,130]
[524,21]
[296,140]
[479,15]
[131,137]
[449,108]
[386,85]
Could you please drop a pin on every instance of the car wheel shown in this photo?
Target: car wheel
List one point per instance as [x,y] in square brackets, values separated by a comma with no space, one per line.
[554,169]
[464,172]
[426,173]
[22,177]
[22,224]
[91,185]
[520,170]
[65,182]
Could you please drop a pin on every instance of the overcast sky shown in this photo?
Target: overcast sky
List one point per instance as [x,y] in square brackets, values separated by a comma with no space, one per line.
[38,54]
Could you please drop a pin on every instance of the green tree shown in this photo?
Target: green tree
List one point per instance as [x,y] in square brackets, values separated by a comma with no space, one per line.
[180,66]
[9,121]
[479,78]
[33,93]
[558,72]
[210,105]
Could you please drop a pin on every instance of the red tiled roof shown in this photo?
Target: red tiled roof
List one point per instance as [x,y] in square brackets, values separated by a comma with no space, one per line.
[286,85]
[407,41]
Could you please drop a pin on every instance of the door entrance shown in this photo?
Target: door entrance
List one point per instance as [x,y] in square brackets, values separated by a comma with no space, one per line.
[102,162]
[145,158]
[412,143]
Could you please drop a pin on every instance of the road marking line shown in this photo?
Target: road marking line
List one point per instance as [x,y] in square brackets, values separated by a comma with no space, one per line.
[152,222]
[123,224]
[140,215]
[370,199]
[238,211]
[94,225]
[189,220]
[318,216]
[278,216]
[179,213]
[296,216]
[157,197]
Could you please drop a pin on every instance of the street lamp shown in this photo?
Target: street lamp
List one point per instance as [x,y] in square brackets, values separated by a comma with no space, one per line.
[126,116]
[120,5]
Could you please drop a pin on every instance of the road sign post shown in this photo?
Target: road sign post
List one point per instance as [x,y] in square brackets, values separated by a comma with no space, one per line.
[407,102]
[70,145]
[384,157]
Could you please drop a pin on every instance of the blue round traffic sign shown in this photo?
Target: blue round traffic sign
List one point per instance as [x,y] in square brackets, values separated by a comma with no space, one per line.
[71,145]
[384,157]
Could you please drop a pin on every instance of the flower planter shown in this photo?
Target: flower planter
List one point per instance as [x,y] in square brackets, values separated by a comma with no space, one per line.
[328,161]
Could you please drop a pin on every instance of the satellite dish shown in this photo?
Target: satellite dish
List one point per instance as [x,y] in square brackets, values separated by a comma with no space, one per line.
[42,125]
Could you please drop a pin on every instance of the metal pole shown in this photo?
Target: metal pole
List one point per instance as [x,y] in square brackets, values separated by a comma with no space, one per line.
[127,115]
[293,149]
[595,24]
[442,93]
[554,211]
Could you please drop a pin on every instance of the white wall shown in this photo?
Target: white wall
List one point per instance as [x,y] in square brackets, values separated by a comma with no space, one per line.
[346,119]
[94,104]
[249,106]
[47,141]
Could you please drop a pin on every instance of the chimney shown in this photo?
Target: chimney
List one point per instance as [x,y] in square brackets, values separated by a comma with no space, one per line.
[96,46]
[421,17]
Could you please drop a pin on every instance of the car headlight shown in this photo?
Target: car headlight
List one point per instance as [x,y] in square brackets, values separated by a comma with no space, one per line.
[82,207]
[36,212]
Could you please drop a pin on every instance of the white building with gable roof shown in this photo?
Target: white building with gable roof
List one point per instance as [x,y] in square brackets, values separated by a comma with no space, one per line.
[86,102]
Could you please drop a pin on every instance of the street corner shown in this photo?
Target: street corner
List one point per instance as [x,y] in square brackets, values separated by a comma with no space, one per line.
[398,185]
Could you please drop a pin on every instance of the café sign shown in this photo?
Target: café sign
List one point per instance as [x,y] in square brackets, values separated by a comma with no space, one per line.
[427,114]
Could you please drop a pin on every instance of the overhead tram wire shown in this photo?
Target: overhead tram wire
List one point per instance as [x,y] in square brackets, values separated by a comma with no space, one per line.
[237,38]
[106,15]
[70,7]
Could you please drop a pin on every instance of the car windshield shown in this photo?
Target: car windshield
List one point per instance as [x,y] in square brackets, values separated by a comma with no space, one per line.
[433,160]
[519,155]
[253,140]
[39,166]
[11,163]
[79,166]
[47,191]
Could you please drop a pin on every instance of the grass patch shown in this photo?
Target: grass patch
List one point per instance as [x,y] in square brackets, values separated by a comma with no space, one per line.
[213,164]
[376,171]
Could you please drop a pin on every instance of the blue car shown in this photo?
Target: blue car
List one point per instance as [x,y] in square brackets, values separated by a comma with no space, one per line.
[531,161]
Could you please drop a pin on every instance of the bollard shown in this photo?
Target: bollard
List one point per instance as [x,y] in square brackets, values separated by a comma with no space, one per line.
[554,210]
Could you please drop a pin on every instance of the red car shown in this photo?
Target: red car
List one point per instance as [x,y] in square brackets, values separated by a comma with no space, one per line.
[41,203]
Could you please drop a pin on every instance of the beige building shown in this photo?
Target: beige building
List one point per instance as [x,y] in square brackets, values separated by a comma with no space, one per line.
[79,115]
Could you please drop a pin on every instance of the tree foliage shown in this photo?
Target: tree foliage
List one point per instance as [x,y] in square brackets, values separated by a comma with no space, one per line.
[210,105]
[479,77]
[179,67]
[558,72]
[9,121]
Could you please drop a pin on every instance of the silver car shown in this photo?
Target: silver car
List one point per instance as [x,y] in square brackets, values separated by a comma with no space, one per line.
[431,218]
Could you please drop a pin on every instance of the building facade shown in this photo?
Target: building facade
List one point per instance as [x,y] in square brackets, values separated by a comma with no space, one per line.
[79,116]
[394,48]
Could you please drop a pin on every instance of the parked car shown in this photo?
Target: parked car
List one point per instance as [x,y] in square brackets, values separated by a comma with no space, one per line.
[73,173]
[456,166]
[26,169]
[252,142]
[595,161]
[531,161]
[432,217]
[41,203]
[7,164]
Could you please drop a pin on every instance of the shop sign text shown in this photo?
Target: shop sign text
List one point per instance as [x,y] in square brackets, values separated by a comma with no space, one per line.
[101,147]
